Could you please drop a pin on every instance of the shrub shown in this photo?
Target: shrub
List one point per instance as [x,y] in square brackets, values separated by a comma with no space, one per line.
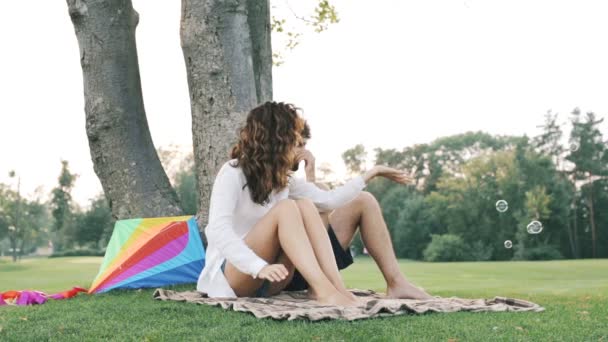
[78,252]
[543,252]
[446,247]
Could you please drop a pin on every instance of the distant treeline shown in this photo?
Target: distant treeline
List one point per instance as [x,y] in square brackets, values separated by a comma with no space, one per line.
[449,214]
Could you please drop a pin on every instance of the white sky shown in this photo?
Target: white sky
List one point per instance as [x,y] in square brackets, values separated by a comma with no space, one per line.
[388,75]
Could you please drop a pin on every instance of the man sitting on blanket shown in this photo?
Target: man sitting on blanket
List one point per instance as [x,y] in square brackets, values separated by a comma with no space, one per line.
[362,213]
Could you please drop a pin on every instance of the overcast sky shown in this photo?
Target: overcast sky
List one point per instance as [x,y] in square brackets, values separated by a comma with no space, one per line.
[392,73]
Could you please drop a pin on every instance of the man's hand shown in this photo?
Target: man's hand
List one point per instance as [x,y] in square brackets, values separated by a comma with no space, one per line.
[309,160]
[273,272]
[395,175]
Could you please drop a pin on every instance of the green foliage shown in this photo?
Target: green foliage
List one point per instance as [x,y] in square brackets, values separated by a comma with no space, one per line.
[23,222]
[542,252]
[94,226]
[323,15]
[460,178]
[61,201]
[78,252]
[447,247]
[185,187]
[354,159]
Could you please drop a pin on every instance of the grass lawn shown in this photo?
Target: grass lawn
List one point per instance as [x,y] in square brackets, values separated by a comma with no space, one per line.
[574,293]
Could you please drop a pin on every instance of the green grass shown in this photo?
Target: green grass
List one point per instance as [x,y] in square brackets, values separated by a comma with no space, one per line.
[574,293]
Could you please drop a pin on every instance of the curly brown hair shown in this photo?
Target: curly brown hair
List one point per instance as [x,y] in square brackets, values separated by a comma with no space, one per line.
[266,148]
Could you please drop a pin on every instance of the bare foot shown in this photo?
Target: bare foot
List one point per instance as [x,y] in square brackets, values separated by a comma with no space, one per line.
[407,291]
[349,294]
[337,298]
[359,300]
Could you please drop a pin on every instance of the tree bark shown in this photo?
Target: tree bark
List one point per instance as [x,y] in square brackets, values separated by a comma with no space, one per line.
[124,157]
[226,78]
[260,30]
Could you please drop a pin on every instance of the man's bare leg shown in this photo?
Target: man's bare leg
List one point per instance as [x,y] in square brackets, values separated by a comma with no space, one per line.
[364,213]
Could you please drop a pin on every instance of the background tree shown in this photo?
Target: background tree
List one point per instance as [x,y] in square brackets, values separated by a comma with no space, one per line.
[121,147]
[461,177]
[590,157]
[228,58]
[355,159]
[94,226]
[21,220]
[61,204]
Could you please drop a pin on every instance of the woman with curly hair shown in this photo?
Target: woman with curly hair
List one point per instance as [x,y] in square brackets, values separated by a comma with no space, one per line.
[264,223]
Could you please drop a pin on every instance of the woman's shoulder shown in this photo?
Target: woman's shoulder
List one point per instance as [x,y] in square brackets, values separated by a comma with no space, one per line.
[231,167]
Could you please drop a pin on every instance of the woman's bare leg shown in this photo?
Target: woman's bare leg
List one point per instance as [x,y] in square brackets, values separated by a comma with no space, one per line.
[279,286]
[283,228]
[319,239]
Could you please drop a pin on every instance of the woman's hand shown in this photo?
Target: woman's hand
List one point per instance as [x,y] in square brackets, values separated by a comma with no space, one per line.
[273,272]
[395,175]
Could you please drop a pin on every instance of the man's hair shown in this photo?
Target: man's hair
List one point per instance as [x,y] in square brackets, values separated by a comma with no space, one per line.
[306,131]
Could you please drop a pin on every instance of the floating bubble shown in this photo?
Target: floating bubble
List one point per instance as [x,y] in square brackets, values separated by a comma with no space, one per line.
[573,147]
[502,206]
[534,227]
[508,244]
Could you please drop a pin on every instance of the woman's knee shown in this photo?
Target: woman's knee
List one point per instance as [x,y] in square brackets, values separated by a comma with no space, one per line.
[287,207]
[305,203]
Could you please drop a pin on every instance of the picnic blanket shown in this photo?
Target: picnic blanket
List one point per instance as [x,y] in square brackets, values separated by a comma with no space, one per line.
[291,305]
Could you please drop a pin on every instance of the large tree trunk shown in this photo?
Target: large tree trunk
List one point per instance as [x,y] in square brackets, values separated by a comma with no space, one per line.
[124,157]
[258,19]
[226,47]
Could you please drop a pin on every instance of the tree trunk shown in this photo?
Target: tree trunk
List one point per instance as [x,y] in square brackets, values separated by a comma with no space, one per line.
[124,157]
[13,242]
[571,239]
[228,57]
[592,222]
[22,248]
[259,27]
[576,244]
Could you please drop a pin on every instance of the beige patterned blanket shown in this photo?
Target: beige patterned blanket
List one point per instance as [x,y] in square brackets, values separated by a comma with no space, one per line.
[295,305]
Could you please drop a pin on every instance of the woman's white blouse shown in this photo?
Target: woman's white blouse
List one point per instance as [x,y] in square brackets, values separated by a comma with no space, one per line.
[232,213]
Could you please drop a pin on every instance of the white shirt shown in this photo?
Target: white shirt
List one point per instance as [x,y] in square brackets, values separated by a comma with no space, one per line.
[232,213]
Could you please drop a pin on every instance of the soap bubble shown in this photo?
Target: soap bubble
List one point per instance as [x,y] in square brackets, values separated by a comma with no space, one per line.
[502,206]
[508,244]
[534,227]
[573,147]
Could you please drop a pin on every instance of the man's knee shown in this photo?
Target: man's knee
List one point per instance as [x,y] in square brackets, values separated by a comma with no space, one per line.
[366,197]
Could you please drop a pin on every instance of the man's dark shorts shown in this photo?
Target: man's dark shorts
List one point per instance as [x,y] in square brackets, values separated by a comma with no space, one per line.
[343,260]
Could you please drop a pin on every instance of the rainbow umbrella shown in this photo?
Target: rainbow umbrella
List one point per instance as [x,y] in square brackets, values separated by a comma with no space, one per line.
[151,252]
